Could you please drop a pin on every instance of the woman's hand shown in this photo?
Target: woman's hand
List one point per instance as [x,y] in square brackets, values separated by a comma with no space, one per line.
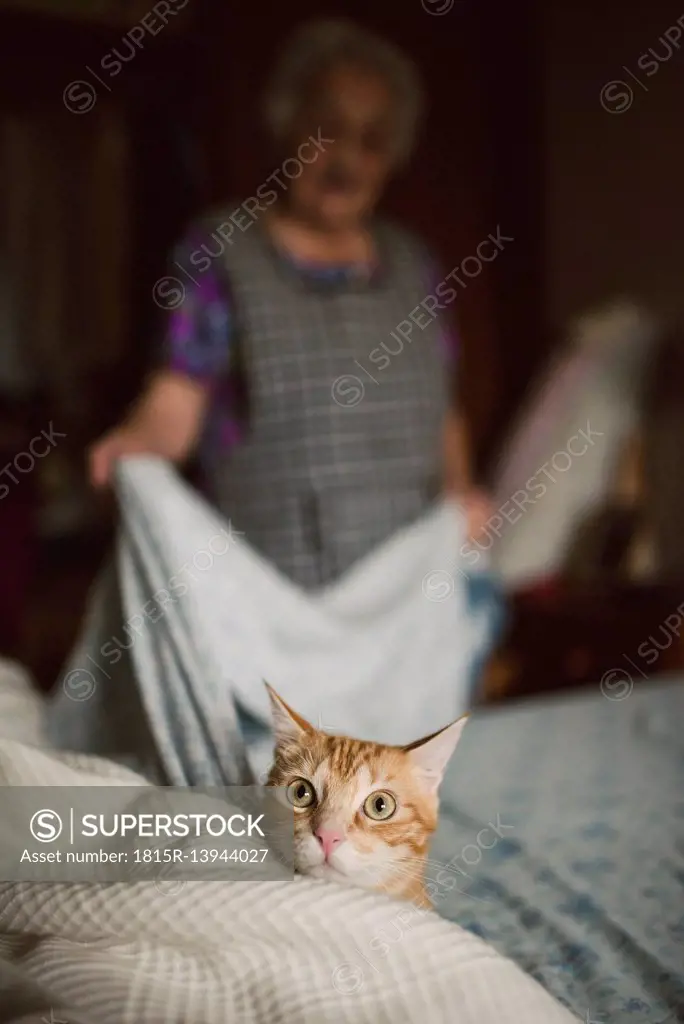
[166,421]
[478,509]
[104,454]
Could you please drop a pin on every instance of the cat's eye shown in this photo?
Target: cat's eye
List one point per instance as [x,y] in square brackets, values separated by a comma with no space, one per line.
[301,794]
[380,806]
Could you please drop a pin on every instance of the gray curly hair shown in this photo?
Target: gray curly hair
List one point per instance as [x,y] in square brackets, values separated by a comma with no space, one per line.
[320,45]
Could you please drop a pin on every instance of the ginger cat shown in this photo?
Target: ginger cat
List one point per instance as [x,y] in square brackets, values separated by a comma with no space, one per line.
[364,812]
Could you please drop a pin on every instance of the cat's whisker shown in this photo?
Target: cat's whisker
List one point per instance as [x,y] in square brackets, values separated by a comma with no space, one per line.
[409,874]
[394,870]
[400,871]
[443,867]
[432,860]
[436,865]
[388,889]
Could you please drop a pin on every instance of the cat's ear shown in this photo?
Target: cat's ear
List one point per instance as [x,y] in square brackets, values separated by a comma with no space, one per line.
[430,755]
[287,724]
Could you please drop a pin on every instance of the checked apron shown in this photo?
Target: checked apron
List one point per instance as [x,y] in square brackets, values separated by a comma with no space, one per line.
[343,438]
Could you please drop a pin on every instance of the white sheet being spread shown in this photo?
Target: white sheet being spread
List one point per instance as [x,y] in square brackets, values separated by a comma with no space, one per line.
[386,653]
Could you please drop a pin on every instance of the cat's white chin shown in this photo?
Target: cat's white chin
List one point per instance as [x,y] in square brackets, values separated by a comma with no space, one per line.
[327,873]
[311,861]
[341,868]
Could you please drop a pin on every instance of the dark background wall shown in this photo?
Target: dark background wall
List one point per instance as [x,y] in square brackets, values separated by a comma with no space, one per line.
[614,213]
[516,137]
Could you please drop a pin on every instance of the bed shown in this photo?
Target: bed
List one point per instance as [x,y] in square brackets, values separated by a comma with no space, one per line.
[168,951]
[561,845]
[581,881]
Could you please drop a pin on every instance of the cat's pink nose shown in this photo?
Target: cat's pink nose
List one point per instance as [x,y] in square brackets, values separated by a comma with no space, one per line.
[329,838]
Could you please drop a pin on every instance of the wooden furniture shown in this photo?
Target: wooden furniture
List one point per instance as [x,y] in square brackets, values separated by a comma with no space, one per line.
[612,636]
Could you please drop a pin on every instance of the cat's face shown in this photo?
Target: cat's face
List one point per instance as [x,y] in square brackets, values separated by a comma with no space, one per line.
[363,813]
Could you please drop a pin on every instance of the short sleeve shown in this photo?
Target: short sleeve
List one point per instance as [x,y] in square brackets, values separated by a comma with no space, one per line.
[198,331]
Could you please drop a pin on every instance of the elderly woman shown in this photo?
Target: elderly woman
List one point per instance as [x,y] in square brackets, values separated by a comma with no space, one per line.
[307,363]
